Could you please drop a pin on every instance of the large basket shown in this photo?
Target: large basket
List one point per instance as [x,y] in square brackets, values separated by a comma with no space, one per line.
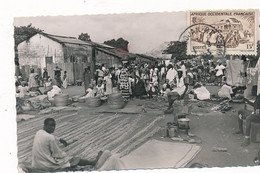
[93,102]
[116,101]
[61,100]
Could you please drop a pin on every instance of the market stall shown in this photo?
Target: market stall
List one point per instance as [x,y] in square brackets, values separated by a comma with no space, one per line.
[253,85]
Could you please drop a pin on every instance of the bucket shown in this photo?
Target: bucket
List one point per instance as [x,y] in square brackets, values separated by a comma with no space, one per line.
[172,131]
[61,100]
[163,132]
[183,122]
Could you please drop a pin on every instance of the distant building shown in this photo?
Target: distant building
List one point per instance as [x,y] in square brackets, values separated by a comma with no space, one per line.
[227,25]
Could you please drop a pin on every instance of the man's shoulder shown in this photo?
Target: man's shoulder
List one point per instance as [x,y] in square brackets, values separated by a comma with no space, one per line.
[44,134]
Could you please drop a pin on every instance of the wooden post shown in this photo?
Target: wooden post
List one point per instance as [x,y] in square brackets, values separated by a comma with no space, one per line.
[93,61]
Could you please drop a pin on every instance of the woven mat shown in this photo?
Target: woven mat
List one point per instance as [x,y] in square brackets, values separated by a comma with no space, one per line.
[159,154]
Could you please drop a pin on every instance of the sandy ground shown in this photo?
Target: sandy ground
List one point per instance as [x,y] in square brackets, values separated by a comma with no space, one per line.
[214,130]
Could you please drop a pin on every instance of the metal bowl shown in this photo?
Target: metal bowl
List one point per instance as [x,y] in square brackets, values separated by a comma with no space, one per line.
[184,122]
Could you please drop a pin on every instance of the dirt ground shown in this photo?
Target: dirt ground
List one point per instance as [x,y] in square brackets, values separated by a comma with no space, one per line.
[214,129]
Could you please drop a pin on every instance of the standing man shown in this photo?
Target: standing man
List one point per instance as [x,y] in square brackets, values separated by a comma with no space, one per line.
[87,78]
[219,73]
[57,76]
[171,73]
[45,74]
[183,69]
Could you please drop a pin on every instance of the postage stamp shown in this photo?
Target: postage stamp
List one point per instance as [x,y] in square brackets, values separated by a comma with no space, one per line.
[234,32]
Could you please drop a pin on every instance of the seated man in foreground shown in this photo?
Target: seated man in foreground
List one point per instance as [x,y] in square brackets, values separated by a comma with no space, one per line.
[47,156]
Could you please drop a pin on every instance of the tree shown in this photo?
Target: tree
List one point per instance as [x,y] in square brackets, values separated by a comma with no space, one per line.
[119,43]
[178,49]
[84,37]
[23,33]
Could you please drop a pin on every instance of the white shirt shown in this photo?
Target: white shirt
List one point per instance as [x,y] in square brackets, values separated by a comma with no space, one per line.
[46,154]
[162,70]
[225,91]
[180,86]
[171,74]
[183,69]
[220,69]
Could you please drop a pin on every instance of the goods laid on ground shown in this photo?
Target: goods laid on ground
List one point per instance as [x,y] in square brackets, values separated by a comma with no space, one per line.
[116,101]
[61,100]
[222,106]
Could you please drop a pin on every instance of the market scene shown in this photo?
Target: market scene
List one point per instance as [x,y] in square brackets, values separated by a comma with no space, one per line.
[83,105]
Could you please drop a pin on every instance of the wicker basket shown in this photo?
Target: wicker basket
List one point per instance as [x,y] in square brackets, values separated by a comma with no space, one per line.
[81,100]
[116,101]
[61,100]
[93,102]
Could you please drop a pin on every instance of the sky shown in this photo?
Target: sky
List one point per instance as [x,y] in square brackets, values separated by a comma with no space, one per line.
[143,31]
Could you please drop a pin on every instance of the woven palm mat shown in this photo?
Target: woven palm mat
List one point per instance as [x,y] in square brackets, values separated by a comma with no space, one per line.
[90,133]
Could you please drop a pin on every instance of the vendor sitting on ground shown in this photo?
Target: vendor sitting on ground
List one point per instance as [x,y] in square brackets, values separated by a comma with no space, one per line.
[225,91]
[201,92]
[90,92]
[248,117]
[52,90]
[22,89]
[153,90]
[47,155]
[176,93]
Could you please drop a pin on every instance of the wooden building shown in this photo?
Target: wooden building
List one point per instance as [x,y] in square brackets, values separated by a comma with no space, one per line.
[68,53]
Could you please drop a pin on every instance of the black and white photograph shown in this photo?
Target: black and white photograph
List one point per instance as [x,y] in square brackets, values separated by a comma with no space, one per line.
[137,91]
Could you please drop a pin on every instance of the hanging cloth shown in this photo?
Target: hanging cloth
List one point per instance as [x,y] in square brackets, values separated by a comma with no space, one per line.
[236,73]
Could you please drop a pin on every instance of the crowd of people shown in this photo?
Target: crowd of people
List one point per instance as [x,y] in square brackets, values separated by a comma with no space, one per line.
[145,80]
[152,80]
[31,86]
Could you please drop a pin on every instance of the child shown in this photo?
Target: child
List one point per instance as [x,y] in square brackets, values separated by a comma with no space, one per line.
[100,88]
[48,82]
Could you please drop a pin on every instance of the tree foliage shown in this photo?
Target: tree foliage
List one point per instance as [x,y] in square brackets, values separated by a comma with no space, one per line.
[178,49]
[119,43]
[84,37]
[23,33]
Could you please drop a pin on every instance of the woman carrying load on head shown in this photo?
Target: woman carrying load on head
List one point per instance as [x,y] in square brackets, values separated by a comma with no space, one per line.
[124,85]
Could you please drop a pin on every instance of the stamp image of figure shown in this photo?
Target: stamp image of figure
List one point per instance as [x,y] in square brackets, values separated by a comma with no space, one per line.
[234,29]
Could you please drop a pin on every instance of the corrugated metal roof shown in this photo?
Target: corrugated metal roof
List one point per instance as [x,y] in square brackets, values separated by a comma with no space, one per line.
[64,39]
[124,55]
[74,40]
